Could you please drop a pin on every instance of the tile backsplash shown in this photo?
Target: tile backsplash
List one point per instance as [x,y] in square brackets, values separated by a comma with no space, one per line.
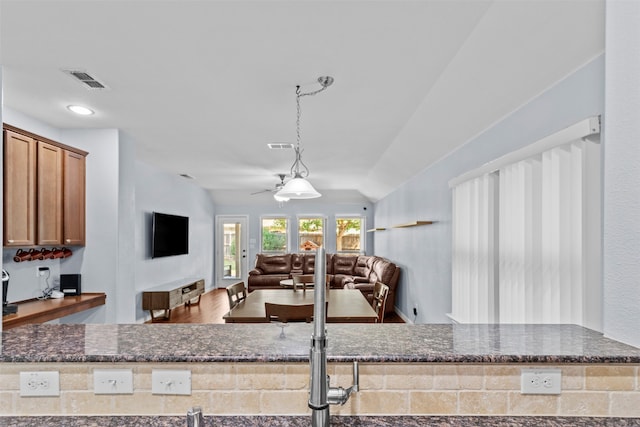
[385,389]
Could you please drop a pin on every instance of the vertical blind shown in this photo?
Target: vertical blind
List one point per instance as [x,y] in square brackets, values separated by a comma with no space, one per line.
[541,257]
[519,239]
[473,255]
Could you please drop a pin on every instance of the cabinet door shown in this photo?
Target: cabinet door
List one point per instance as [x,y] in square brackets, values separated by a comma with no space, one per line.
[74,199]
[49,194]
[19,190]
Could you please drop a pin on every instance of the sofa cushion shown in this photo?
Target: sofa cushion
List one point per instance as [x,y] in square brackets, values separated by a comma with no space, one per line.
[309,263]
[339,280]
[344,264]
[363,266]
[383,271]
[274,264]
[297,262]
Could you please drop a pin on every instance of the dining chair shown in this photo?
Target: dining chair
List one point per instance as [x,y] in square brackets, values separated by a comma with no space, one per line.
[380,294]
[236,293]
[288,313]
[302,280]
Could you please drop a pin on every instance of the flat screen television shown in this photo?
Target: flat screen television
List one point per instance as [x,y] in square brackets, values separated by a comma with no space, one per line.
[169,235]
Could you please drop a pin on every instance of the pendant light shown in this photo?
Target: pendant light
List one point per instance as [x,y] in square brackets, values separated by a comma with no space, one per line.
[298,187]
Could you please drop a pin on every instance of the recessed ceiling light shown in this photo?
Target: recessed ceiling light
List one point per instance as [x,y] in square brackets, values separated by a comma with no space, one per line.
[78,109]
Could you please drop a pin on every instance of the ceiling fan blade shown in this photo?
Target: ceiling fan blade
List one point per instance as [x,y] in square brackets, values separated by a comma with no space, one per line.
[261,191]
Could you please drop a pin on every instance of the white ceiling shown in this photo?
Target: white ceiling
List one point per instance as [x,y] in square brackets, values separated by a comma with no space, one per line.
[203,86]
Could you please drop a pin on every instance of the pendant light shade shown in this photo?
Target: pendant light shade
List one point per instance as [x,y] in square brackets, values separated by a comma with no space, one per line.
[298,188]
[280,199]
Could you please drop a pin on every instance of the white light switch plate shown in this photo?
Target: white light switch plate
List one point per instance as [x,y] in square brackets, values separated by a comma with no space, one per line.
[40,383]
[112,381]
[171,381]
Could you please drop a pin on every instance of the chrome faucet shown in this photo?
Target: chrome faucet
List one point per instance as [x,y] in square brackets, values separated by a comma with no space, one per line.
[321,394]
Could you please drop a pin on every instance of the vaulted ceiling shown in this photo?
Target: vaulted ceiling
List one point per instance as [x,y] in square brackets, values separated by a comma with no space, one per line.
[201,87]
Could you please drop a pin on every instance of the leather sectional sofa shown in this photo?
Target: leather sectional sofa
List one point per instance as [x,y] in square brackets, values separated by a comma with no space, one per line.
[344,271]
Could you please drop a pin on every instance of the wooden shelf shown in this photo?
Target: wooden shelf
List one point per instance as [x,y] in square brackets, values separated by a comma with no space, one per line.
[413,224]
[40,311]
[376,229]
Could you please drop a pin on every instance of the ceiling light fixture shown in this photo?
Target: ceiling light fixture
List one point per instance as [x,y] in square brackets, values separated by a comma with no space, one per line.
[298,187]
[79,109]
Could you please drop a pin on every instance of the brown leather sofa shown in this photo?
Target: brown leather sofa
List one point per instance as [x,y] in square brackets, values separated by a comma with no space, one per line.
[344,271]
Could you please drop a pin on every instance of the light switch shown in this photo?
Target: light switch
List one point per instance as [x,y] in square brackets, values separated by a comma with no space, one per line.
[112,381]
[171,381]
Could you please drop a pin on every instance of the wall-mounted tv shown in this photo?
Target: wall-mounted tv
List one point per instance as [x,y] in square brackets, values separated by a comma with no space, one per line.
[169,235]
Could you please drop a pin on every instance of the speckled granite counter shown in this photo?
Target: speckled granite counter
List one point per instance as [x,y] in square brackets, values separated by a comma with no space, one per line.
[346,342]
[348,421]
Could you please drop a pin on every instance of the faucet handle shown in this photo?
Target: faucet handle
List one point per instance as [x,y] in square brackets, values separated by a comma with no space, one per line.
[195,418]
[339,395]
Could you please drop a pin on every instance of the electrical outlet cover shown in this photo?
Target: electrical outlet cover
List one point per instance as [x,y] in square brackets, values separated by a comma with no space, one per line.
[39,383]
[541,381]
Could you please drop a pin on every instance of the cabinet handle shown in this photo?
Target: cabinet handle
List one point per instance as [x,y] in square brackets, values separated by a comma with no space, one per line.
[68,240]
[10,240]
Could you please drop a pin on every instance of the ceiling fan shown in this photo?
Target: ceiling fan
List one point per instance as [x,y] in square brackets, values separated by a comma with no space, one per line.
[276,188]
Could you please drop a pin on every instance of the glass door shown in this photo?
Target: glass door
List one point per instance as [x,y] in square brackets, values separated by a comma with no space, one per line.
[231,250]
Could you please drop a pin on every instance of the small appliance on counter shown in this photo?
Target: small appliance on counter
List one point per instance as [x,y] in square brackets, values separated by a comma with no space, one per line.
[70,284]
[6,307]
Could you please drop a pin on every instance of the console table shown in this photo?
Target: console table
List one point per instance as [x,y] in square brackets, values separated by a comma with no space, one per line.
[40,311]
[170,295]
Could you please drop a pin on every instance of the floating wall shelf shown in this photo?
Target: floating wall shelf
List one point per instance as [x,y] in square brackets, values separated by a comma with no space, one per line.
[413,224]
[409,224]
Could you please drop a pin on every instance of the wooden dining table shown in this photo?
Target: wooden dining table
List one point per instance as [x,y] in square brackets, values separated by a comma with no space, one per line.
[344,305]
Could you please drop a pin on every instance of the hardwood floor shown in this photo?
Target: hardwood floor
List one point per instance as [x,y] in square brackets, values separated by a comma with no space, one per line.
[213,305]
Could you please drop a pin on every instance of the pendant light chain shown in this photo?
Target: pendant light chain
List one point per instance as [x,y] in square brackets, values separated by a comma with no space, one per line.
[295,168]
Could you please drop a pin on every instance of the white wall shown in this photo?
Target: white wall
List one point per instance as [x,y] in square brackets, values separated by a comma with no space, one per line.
[160,192]
[97,262]
[424,253]
[622,173]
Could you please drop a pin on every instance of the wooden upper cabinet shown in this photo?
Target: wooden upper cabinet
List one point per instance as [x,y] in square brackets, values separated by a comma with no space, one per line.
[50,213]
[74,199]
[19,190]
[44,191]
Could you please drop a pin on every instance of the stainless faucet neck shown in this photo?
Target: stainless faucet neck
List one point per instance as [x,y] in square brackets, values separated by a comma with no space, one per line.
[321,394]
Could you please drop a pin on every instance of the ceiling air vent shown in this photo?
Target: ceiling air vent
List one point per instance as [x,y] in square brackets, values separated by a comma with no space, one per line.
[86,79]
[280,146]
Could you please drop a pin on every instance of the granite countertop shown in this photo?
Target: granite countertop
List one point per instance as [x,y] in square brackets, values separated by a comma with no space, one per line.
[395,343]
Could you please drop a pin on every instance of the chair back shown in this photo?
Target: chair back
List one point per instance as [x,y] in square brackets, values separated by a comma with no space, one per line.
[380,294]
[301,280]
[236,293]
[288,313]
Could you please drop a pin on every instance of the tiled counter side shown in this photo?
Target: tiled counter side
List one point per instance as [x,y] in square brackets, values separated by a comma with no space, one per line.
[304,421]
[448,372]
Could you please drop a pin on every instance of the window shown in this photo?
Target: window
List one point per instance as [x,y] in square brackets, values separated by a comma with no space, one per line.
[526,237]
[310,233]
[349,234]
[275,235]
